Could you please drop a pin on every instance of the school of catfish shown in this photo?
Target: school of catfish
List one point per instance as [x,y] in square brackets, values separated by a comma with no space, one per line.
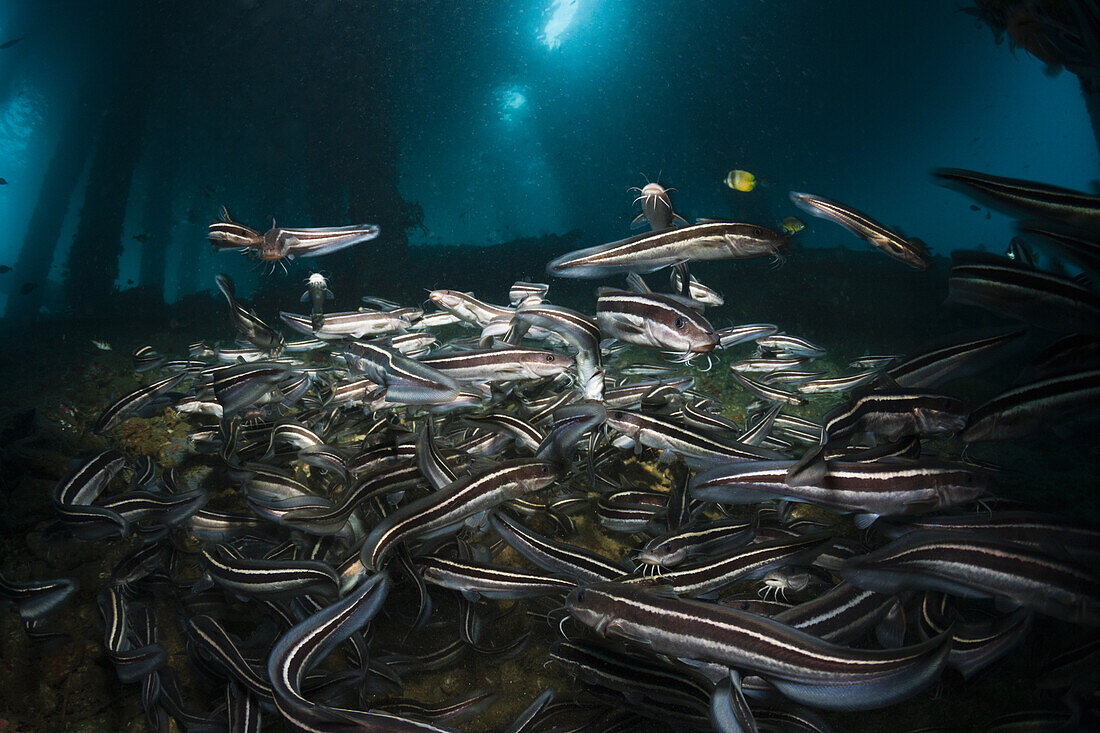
[433,471]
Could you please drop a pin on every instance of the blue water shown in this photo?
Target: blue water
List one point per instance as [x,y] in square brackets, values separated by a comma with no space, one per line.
[518,119]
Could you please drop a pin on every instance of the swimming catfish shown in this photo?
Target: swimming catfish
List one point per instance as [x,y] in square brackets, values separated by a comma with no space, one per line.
[277,243]
[656,208]
[316,294]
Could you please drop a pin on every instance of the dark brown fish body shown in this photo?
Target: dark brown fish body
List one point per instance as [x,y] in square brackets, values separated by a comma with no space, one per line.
[908,250]
[652,251]
[1017,197]
[1005,286]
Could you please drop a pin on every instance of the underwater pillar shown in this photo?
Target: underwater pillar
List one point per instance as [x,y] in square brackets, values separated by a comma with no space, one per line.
[93,260]
[44,229]
[157,220]
[1091,93]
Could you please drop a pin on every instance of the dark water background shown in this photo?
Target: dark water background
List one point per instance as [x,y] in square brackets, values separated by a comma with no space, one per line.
[484,143]
[468,118]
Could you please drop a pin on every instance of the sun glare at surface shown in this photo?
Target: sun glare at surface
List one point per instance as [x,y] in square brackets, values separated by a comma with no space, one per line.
[563,12]
[511,102]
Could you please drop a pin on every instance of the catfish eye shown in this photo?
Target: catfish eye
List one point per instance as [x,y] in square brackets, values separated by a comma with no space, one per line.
[579,596]
[757,232]
[549,358]
[680,323]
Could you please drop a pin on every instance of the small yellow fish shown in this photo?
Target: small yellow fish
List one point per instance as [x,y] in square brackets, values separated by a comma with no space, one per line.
[740,180]
[102,345]
[792,225]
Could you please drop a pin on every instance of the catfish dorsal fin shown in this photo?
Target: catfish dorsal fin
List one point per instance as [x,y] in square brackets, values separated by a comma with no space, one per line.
[635,282]
[681,268]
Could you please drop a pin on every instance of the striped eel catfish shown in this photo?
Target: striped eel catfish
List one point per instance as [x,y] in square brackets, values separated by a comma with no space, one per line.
[733,335]
[261,578]
[36,599]
[729,710]
[238,386]
[652,251]
[892,415]
[1082,249]
[1028,198]
[498,582]
[146,358]
[85,483]
[468,308]
[1004,286]
[452,711]
[697,448]
[406,380]
[134,403]
[631,511]
[412,344]
[1026,409]
[656,207]
[247,323]
[577,329]
[525,291]
[243,709]
[765,391]
[657,689]
[767,365]
[697,539]
[505,423]
[974,644]
[649,392]
[820,385]
[133,660]
[430,460]
[697,291]
[350,324]
[559,558]
[484,366]
[330,521]
[974,566]
[232,356]
[277,243]
[803,667]
[795,346]
[654,320]
[887,487]
[840,615]
[1037,530]
[437,319]
[912,252]
[308,643]
[74,497]
[448,506]
[317,292]
[749,562]
[213,642]
[932,367]
[696,416]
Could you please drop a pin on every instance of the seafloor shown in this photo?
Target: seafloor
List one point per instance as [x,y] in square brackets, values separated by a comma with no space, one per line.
[54,382]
